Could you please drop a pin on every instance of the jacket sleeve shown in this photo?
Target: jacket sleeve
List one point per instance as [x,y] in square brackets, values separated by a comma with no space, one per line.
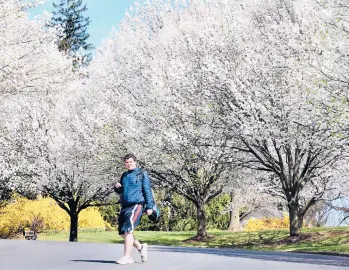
[147,193]
[120,189]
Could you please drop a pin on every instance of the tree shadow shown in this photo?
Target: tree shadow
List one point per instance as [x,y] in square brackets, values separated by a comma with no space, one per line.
[290,257]
[95,261]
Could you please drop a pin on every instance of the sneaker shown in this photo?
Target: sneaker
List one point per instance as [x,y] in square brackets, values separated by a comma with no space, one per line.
[125,260]
[144,252]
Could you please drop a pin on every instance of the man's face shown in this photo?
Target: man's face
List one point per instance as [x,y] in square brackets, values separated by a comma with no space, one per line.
[130,164]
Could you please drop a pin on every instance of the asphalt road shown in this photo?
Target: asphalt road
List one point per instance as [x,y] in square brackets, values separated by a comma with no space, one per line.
[41,255]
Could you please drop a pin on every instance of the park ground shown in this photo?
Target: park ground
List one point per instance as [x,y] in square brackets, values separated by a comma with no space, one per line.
[47,255]
[314,240]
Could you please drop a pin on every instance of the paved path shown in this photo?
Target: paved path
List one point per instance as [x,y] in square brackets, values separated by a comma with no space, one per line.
[41,255]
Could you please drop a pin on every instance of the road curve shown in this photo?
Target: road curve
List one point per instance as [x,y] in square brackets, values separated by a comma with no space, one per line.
[44,255]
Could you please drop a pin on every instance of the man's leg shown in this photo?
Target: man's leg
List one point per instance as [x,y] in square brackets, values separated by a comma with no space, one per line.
[127,259]
[142,248]
[131,218]
[137,244]
[128,243]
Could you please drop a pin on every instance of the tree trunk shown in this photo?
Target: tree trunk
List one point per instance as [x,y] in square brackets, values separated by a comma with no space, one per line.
[73,236]
[296,220]
[201,231]
[167,226]
[234,224]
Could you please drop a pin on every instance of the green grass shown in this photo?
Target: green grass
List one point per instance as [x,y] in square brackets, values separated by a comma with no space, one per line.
[327,240]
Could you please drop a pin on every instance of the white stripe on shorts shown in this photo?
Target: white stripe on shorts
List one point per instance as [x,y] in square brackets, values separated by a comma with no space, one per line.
[131,218]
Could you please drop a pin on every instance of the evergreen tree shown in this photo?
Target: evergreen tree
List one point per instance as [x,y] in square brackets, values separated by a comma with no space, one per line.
[73,37]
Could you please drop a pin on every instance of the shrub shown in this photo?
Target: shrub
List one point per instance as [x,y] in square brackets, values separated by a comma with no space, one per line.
[43,215]
[180,215]
[264,224]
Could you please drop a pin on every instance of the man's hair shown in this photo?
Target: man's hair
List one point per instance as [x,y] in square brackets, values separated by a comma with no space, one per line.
[128,156]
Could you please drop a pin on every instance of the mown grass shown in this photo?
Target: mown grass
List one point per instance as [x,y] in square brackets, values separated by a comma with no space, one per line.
[324,240]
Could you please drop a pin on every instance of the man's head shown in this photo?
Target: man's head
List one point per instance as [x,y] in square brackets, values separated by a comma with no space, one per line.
[130,162]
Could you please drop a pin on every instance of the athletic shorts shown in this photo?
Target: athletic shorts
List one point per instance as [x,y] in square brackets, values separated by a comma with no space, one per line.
[130,218]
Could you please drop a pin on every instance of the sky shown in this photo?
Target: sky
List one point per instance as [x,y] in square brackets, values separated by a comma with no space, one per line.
[104,14]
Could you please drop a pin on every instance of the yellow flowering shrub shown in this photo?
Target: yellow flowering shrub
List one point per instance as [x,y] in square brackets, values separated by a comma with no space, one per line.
[91,218]
[263,224]
[43,214]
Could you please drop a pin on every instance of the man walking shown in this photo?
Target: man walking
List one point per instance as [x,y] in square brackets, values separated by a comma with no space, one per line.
[135,195]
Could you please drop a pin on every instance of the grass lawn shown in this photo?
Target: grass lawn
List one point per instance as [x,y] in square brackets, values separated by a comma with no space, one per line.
[328,240]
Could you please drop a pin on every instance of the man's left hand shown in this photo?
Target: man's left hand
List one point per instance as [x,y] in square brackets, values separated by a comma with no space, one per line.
[149,212]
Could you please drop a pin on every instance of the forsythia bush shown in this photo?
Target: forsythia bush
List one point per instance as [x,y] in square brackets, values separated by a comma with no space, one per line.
[43,214]
[264,224]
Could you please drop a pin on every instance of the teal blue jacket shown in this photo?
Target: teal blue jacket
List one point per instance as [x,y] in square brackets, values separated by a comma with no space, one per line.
[135,190]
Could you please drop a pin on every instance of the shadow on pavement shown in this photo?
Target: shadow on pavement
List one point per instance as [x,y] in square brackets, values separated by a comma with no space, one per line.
[262,255]
[94,261]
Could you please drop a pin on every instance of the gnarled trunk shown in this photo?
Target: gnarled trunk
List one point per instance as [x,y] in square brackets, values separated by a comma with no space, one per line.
[234,224]
[73,236]
[201,217]
[74,215]
[296,220]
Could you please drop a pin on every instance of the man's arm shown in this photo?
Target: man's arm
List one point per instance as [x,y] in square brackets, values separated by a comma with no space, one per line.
[118,186]
[147,193]
[118,189]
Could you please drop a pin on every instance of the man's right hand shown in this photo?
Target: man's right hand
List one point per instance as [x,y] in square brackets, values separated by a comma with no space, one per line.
[118,185]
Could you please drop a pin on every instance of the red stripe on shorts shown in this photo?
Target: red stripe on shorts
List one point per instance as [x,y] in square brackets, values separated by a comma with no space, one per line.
[138,211]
